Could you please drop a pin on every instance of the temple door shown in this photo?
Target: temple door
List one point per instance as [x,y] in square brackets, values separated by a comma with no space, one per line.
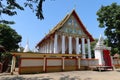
[107,58]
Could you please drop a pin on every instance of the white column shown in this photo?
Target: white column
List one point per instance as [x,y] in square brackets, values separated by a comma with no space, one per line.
[89,49]
[45,48]
[80,48]
[63,44]
[83,48]
[55,43]
[42,49]
[47,45]
[77,45]
[50,46]
[70,45]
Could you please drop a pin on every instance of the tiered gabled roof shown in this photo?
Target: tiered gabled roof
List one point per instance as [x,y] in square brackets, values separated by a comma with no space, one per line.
[61,23]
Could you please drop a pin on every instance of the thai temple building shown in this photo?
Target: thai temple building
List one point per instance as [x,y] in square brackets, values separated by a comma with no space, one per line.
[69,36]
[64,48]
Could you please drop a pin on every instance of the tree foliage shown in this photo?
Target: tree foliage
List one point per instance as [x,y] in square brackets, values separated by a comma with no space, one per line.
[109,18]
[9,7]
[9,38]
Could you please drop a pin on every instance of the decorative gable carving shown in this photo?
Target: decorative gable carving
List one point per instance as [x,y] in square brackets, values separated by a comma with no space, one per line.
[72,27]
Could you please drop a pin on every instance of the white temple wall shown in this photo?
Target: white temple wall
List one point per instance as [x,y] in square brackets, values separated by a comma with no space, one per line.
[35,62]
[54,62]
[89,62]
[99,56]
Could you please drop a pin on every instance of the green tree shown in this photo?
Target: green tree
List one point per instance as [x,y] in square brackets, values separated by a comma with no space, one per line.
[9,7]
[9,38]
[109,18]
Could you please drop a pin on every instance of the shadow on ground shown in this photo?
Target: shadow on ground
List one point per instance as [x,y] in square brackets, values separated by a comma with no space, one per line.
[73,78]
[22,78]
[43,78]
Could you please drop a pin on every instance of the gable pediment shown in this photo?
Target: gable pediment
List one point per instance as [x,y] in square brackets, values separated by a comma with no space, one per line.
[71,26]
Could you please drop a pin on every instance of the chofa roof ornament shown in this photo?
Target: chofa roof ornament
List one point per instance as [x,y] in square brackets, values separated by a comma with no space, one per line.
[100,41]
[100,44]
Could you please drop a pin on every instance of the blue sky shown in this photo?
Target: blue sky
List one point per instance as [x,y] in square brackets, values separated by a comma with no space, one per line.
[32,29]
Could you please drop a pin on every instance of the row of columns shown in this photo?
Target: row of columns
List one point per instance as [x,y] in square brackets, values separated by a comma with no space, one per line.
[54,45]
[47,47]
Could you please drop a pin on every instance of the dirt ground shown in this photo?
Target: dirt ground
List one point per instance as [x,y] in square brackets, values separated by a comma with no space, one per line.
[70,75]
